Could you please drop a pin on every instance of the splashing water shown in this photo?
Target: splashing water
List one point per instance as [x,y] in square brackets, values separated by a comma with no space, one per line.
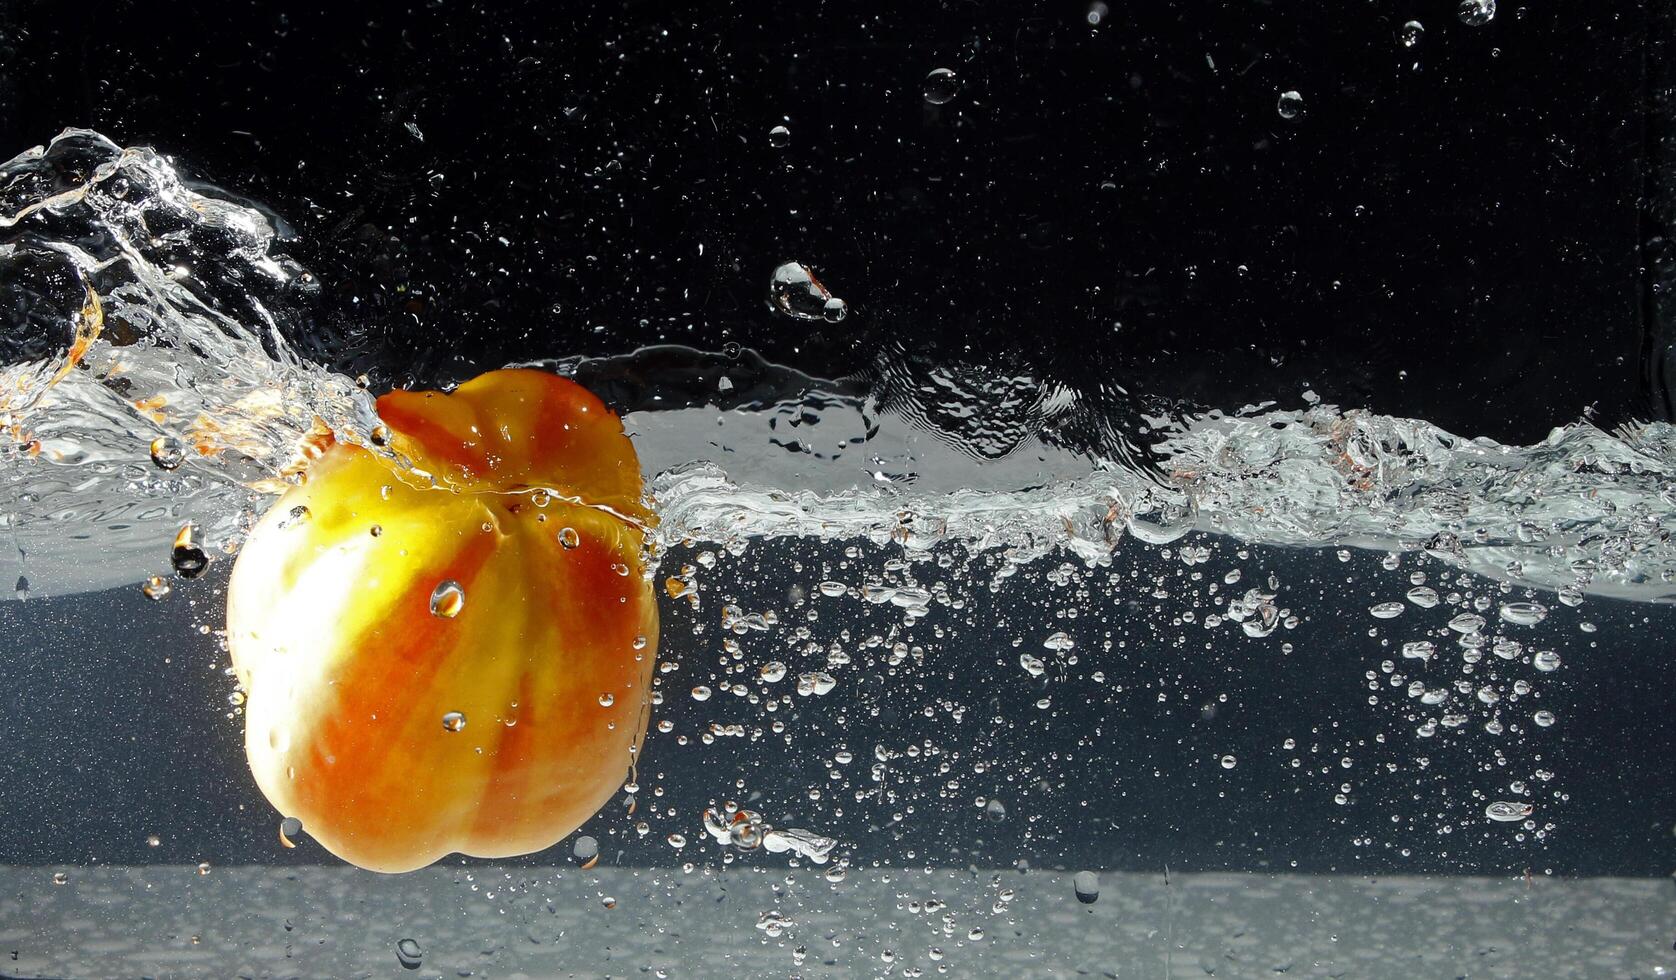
[148,315]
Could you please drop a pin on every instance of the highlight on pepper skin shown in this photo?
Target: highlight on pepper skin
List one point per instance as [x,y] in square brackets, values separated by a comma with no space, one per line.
[454,656]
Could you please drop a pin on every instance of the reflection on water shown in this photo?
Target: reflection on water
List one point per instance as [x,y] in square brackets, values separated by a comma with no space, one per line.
[933,596]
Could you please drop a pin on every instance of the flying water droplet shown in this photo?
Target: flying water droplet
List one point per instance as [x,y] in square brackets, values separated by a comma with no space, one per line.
[795,291]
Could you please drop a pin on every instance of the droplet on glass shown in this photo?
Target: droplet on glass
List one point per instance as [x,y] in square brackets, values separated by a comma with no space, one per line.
[607,699]
[585,850]
[941,86]
[447,599]
[409,954]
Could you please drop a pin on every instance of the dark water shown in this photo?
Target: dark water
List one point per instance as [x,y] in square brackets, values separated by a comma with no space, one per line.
[1463,224]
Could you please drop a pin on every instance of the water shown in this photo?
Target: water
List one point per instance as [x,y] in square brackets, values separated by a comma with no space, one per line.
[899,606]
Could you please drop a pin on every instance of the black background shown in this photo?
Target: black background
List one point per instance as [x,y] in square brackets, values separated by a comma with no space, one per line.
[1466,230]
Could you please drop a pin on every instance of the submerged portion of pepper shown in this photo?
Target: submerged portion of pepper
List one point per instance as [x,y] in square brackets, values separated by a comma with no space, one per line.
[452,656]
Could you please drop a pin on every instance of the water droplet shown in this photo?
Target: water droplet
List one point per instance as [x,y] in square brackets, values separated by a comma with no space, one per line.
[835,310]
[203,868]
[607,699]
[409,954]
[1411,34]
[1160,518]
[1504,812]
[795,291]
[1087,886]
[167,452]
[701,693]
[156,587]
[941,86]
[779,137]
[1418,650]
[585,850]
[294,517]
[188,559]
[454,721]
[60,878]
[772,671]
[1059,642]
[995,810]
[1229,762]
[1032,664]
[447,599]
[1467,623]
[1544,719]
[289,828]
[1386,610]
[1423,596]
[1523,613]
[1290,104]
[153,840]
[569,538]
[1546,660]
[1476,13]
